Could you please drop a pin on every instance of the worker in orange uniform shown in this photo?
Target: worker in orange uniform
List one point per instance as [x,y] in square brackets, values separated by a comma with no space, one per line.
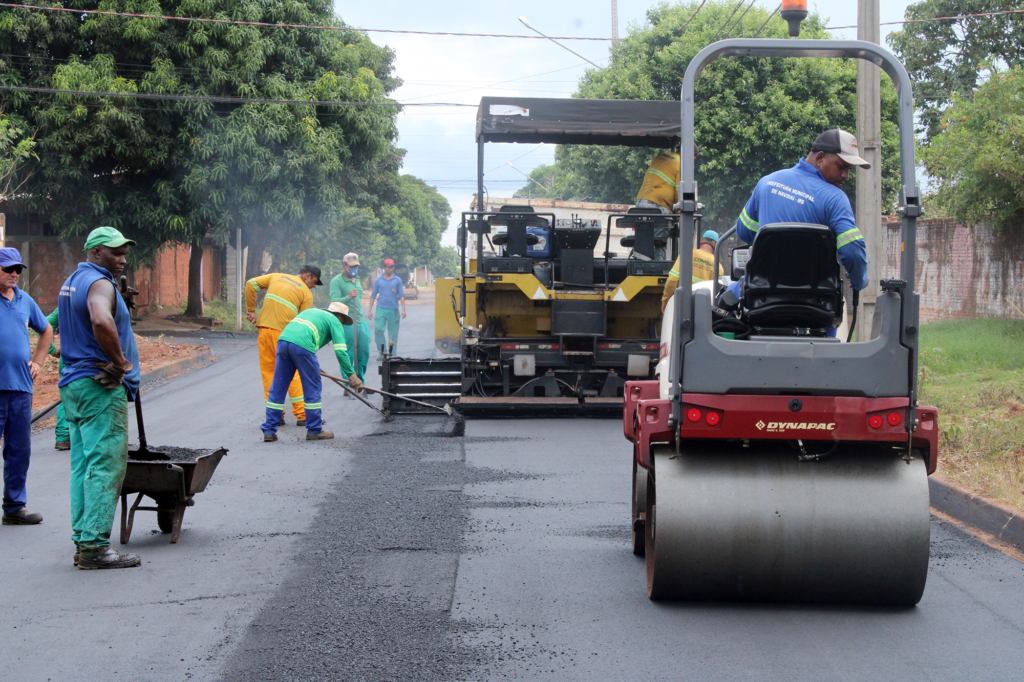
[287,296]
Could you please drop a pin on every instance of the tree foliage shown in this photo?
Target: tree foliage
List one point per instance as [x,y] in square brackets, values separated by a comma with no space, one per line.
[977,159]
[946,58]
[15,148]
[299,179]
[753,115]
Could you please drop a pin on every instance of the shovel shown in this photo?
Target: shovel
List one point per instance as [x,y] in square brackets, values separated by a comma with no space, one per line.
[387,415]
[144,454]
[447,409]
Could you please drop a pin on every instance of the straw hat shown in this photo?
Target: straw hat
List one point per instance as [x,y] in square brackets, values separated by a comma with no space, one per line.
[341,310]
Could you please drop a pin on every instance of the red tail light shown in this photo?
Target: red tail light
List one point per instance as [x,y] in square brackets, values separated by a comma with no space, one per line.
[693,414]
[875,421]
[894,419]
[713,418]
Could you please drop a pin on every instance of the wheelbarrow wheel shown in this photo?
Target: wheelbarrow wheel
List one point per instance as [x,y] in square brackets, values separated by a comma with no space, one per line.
[165,520]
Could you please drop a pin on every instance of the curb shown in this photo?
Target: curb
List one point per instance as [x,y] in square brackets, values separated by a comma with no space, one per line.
[171,369]
[996,518]
[176,367]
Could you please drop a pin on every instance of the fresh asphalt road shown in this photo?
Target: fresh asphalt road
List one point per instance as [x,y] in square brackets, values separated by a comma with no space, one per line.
[408,551]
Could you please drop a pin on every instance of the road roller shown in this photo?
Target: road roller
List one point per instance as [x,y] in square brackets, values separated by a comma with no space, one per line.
[771,462]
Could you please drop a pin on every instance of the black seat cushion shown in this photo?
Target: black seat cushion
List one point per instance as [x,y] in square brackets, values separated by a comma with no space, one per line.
[793,277]
[659,240]
[501,238]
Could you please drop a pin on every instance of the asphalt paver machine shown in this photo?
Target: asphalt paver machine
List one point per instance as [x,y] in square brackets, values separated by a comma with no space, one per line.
[785,465]
[548,316]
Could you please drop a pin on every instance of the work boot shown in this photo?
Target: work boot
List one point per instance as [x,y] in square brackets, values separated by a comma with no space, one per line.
[108,558]
[77,554]
[320,435]
[301,422]
[62,445]
[269,437]
[22,517]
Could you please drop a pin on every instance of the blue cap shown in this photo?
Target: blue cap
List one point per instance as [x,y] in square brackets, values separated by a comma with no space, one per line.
[9,256]
[710,234]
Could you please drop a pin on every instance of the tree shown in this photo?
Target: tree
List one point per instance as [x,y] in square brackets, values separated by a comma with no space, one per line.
[553,182]
[753,115]
[14,150]
[945,58]
[179,170]
[446,262]
[977,158]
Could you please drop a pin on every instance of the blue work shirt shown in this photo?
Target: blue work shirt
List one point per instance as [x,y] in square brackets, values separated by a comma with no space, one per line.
[387,291]
[79,348]
[801,194]
[16,316]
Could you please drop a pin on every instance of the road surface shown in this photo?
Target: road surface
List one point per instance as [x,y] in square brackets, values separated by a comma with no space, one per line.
[406,551]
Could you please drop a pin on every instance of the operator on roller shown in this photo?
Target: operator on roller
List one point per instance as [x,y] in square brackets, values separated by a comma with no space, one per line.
[809,193]
[287,296]
[703,266]
[661,183]
[310,331]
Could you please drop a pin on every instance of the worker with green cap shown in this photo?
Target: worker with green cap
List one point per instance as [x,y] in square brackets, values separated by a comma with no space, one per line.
[703,266]
[100,377]
[61,436]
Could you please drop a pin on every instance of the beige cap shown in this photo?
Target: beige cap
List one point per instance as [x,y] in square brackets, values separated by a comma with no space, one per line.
[341,310]
[840,142]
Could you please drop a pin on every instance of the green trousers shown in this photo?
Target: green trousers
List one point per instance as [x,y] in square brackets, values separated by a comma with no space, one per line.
[358,363]
[98,421]
[61,433]
[389,317]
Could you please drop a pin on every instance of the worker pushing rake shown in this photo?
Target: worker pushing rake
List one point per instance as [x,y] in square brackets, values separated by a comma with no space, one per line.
[307,333]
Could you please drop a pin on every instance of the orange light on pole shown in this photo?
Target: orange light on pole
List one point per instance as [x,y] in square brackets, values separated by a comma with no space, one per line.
[794,11]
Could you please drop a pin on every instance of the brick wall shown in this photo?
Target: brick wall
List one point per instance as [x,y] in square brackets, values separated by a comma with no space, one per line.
[962,272]
[50,262]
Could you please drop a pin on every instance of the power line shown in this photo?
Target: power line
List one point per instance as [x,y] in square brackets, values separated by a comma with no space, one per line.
[734,10]
[701,5]
[958,17]
[274,25]
[738,21]
[229,100]
[767,20]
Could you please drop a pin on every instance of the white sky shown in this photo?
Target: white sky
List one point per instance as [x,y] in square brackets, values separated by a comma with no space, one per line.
[440,141]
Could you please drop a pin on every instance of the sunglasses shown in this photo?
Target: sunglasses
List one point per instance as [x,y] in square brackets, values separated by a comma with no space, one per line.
[13,269]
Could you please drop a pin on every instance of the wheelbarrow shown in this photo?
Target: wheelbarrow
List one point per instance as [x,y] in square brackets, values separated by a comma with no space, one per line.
[171,476]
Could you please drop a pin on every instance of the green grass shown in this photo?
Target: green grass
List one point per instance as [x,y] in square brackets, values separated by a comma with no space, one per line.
[973,371]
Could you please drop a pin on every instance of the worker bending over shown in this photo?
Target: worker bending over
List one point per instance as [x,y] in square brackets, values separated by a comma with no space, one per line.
[287,296]
[703,266]
[346,288]
[100,377]
[809,193]
[307,333]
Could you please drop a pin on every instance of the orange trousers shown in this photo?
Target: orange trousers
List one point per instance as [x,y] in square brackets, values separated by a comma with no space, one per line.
[267,344]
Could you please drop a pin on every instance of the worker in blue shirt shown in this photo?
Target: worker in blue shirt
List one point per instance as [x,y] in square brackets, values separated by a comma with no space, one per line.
[809,193]
[388,294]
[18,369]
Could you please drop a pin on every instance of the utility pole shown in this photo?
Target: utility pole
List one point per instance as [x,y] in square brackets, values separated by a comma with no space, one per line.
[239,279]
[869,181]
[615,22]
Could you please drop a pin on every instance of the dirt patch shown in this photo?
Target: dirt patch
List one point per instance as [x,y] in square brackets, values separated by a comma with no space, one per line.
[153,353]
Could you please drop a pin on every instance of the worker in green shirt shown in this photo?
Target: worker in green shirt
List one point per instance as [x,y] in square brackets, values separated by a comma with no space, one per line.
[62,436]
[308,332]
[346,288]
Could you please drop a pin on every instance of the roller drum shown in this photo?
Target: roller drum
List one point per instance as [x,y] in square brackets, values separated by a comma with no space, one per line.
[726,523]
